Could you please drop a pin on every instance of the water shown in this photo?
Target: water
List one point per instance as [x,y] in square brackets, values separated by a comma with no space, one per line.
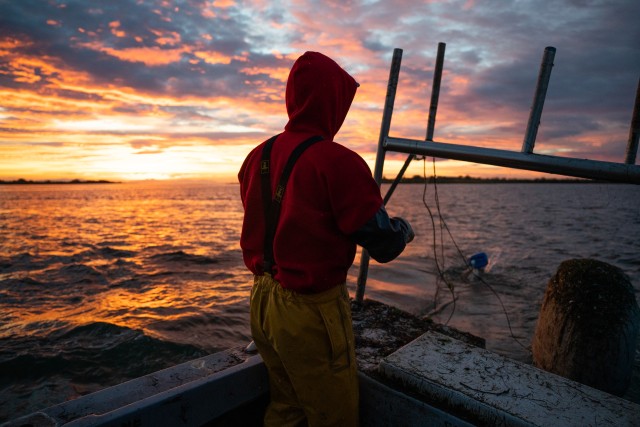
[104,283]
[527,230]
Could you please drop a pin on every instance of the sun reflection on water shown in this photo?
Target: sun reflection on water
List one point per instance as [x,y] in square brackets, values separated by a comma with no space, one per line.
[136,255]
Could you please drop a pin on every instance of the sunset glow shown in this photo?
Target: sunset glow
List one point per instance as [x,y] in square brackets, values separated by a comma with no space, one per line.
[175,89]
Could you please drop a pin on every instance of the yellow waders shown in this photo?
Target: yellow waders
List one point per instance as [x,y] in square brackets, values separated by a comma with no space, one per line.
[307,344]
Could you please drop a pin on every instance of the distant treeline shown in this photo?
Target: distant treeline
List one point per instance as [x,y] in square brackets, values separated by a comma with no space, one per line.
[73,181]
[417,179]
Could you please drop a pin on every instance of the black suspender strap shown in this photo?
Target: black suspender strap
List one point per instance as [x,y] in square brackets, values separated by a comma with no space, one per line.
[272,206]
[265,176]
[265,182]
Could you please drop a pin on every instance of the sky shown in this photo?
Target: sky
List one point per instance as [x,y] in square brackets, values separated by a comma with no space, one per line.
[152,89]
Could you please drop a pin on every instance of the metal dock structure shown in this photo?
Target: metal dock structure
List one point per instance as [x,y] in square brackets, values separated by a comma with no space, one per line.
[469,385]
[624,172]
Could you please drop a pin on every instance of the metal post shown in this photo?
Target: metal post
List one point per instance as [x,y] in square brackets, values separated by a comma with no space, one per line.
[392,85]
[435,91]
[396,181]
[390,99]
[634,131]
[538,99]
[433,108]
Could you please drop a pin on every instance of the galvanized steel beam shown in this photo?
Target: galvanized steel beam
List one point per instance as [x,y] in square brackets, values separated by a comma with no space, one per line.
[582,168]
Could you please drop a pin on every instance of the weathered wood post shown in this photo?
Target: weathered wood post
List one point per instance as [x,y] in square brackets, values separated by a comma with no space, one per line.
[588,325]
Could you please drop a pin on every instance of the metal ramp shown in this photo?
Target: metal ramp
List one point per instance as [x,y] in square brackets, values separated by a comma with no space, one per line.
[625,172]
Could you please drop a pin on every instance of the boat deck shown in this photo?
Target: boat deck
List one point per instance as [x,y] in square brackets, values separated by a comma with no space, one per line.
[435,380]
[490,389]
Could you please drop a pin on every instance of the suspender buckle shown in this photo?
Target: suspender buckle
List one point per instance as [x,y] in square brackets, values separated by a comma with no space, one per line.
[279,193]
[264,167]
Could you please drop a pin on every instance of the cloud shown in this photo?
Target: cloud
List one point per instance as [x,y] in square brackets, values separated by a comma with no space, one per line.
[149,48]
[183,73]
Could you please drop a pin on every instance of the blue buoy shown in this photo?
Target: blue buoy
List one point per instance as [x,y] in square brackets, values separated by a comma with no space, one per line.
[478,261]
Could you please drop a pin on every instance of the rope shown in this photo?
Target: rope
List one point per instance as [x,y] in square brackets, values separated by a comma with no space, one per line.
[443,225]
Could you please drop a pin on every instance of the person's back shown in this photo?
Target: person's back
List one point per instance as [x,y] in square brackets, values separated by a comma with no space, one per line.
[300,312]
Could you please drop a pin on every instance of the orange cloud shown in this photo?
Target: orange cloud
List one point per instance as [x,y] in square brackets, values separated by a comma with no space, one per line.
[8,44]
[167,38]
[23,70]
[277,73]
[214,57]
[115,25]
[223,4]
[151,56]
[208,13]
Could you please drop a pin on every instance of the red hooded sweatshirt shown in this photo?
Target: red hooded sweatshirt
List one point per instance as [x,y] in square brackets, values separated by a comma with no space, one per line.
[330,193]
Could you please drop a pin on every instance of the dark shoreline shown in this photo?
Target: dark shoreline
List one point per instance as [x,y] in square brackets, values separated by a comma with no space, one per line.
[413,180]
[74,181]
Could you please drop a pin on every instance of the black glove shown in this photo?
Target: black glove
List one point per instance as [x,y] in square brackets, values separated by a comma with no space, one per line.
[406,229]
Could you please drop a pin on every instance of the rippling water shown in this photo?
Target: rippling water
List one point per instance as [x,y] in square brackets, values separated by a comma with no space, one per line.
[103,283]
[527,230]
[106,282]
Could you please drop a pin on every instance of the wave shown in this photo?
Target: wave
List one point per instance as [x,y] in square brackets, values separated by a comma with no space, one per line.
[211,330]
[109,252]
[75,273]
[183,257]
[28,262]
[21,284]
[99,345]
[79,359]
[76,265]
[8,264]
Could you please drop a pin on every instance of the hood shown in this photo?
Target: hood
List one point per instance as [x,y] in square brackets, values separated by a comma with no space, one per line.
[319,94]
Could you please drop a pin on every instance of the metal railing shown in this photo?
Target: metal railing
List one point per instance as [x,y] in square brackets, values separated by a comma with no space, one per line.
[526,159]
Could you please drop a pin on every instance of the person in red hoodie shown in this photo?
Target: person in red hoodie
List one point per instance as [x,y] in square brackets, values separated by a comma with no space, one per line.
[308,201]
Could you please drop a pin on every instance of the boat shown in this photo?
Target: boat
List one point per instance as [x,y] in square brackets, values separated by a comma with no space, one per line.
[439,377]
[434,380]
